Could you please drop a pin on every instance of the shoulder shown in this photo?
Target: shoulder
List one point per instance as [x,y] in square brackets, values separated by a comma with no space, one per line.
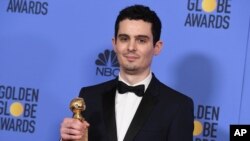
[166,92]
[109,83]
[98,88]
[174,103]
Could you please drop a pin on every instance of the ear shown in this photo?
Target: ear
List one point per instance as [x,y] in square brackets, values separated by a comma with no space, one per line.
[158,46]
[114,43]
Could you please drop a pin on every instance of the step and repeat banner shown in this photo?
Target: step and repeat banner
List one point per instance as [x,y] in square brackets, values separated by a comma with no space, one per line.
[50,49]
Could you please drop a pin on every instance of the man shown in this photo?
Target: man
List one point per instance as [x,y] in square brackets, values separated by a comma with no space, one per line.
[151,112]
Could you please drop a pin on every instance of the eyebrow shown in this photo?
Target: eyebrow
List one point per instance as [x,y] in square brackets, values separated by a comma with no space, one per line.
[142,36]
[137,36]
[123,35]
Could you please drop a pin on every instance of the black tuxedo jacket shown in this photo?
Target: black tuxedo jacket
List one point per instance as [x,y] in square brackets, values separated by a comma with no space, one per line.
[163,114]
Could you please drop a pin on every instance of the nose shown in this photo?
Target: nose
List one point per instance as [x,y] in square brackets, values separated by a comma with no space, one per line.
[132,46]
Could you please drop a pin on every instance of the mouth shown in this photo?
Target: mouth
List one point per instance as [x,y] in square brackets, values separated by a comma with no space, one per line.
[131,58]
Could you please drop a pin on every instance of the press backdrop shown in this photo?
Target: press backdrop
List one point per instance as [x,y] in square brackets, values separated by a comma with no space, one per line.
[50,49]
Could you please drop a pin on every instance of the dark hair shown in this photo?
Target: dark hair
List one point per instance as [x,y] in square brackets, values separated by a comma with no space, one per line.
[140,12]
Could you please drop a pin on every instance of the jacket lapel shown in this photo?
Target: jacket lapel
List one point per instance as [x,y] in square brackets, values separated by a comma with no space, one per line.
[147,103]
[109,112]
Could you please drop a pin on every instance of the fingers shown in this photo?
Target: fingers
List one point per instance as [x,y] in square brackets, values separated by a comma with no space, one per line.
[73,129]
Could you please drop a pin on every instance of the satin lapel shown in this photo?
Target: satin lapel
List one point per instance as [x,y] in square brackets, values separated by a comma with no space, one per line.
[109,114]
[143,111]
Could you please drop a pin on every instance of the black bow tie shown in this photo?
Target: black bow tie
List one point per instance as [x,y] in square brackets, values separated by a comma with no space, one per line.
[123,88]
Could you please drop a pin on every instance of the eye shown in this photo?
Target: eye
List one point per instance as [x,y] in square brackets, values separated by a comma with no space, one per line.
[123,39]
[141,40]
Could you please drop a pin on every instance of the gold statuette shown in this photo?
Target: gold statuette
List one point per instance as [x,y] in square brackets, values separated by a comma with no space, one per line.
[77,105]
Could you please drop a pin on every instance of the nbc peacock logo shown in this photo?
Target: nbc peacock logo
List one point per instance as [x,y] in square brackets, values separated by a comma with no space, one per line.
[107,64]
[208,14]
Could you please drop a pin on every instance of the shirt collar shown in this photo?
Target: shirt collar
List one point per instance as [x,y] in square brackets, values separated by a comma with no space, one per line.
[144,82]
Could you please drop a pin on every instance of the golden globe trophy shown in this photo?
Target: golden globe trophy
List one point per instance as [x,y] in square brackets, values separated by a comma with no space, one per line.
[77,105]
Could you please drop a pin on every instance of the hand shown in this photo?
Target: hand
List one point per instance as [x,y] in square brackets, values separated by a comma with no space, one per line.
[73,129]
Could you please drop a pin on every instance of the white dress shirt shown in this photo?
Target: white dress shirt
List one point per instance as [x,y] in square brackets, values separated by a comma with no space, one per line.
[126,106]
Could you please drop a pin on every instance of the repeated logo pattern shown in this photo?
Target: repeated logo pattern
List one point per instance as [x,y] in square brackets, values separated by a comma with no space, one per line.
[107,57]
[107,64]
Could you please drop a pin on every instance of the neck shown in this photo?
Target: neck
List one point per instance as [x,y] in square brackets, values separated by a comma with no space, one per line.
[134,78]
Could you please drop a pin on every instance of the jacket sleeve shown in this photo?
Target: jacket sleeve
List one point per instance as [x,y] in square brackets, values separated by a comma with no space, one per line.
[182,126]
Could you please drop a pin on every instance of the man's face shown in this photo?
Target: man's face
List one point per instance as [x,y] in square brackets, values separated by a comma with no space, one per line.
[134,46]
